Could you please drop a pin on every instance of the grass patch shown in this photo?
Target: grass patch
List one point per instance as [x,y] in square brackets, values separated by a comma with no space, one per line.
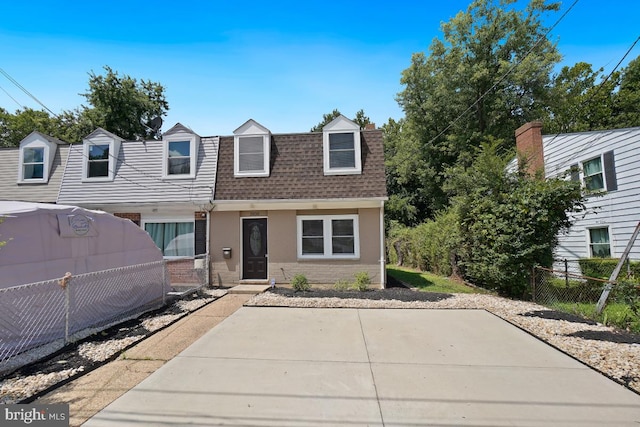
[614,314]
[429,282]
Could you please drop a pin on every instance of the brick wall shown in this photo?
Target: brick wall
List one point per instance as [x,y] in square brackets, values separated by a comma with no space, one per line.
[183,271]
[134,217]
[529,146]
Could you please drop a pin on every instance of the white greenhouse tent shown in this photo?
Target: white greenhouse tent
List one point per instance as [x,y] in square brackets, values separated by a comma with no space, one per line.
[114,272]
[45,241]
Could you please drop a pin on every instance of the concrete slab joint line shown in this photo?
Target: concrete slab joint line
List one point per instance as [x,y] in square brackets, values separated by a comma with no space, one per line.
[373,379]
[324,367]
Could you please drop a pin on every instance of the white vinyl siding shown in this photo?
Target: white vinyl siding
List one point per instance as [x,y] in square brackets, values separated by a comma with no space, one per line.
[328,236]
[618,205]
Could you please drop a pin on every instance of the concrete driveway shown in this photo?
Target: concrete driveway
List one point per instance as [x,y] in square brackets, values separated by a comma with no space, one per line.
[371,367]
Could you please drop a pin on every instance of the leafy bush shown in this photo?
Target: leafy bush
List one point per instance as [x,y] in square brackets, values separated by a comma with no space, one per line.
[341,285]
[300,283]
[362,281]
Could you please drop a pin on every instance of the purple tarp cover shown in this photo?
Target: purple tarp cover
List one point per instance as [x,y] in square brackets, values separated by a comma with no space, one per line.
[45,241]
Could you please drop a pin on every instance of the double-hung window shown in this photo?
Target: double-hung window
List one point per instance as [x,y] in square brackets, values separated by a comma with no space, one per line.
[33,166]
[328,236]
[342,150]
[251,150]
[599,246]
[98,161]
[175,239]
[593,174]
[179,158]
[598,174]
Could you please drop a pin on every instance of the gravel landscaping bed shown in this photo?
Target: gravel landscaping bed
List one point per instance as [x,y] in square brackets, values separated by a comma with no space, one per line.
[93,351]
[612,352]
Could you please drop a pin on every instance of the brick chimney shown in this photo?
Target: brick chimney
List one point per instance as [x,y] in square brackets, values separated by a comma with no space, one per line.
[370,126]
[529,147]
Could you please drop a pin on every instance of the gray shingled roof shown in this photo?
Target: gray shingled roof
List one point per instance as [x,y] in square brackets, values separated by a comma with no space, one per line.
[297,171]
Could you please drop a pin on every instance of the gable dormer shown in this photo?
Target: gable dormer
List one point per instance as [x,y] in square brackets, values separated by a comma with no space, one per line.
[251,150]
[180,147]
[37,151]
[341,147]
[100,153]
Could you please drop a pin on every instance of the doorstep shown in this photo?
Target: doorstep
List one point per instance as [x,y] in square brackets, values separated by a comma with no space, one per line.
[249,289]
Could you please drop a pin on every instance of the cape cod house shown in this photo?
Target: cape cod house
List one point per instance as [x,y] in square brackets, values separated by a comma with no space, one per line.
[606,162]
[299,203]
[166,187]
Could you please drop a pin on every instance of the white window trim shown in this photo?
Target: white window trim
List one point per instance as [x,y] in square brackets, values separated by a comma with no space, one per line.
[327,234]
[193,153]
[85,161]
[266,148]
[589,243]
[45,167]
[602,171]
[158,220]
[328,170]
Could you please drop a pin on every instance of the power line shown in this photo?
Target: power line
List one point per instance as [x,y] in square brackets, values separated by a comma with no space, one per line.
[14,100]
[22,88]
[586,102]
[509,71]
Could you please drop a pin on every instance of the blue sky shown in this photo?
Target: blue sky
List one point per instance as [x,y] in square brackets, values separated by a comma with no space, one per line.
[282,63]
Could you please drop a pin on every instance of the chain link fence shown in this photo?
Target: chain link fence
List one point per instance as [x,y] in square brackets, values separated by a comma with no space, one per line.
[566,288]
[38,319]
[565,284]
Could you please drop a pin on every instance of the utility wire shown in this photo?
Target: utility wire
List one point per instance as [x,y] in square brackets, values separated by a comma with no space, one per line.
[14,100]
[586,102]
[504,76]
[14,81]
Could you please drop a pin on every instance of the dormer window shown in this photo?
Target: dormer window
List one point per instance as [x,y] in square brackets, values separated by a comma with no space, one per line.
[98,161]
[33,163]
[341,147]
[100,154]
[180,153]
[36,158]
[179,159]
[251,148]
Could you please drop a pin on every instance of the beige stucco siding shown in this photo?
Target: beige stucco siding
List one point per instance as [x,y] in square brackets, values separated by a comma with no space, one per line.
[282,247]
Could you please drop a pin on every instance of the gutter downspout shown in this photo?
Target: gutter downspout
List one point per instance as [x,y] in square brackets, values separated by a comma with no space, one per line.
[383,276]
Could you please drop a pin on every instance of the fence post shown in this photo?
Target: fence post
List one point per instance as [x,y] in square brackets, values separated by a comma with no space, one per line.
[164,278]
[533,283]
[566,273]
[66,309]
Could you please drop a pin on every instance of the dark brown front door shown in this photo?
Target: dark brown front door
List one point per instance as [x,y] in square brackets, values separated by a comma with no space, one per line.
[254,248]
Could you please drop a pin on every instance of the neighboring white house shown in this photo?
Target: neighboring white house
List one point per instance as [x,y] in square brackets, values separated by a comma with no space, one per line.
[608,165]
[166,187]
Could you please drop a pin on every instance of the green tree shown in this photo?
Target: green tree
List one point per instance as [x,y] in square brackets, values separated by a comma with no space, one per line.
[123,105]
[508,222]
[15,127]
[485,77]
[627,98]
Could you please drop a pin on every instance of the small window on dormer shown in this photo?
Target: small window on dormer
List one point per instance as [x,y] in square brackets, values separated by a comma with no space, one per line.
[33,163]
[98,161]
[251,147]
[180,153]
[341,147]
[179,160]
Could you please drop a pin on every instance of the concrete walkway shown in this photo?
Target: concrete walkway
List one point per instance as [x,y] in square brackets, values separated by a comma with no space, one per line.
[368,367]
[92,392]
